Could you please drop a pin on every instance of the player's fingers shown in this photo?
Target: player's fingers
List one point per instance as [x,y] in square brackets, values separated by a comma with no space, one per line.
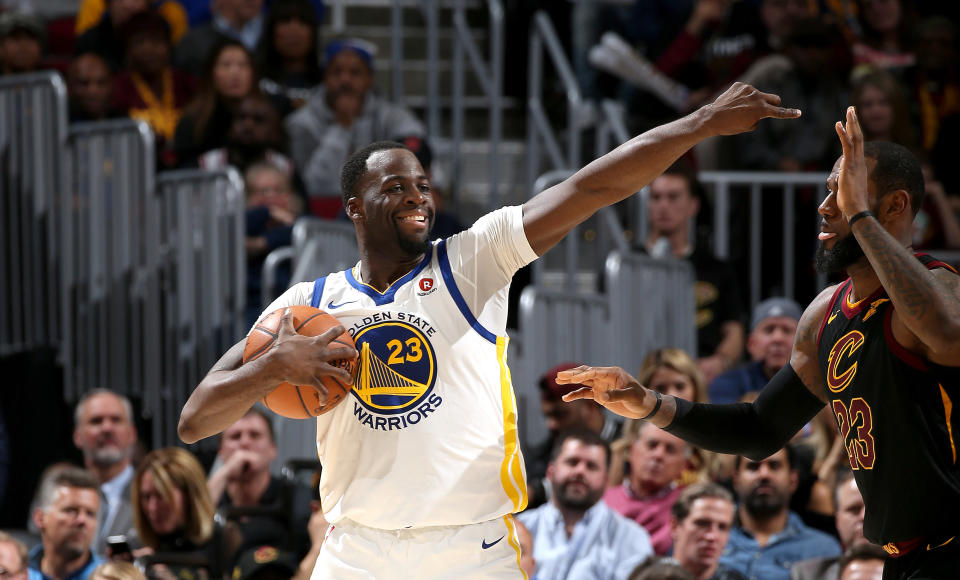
[854,130]
[286,322]
[576,375]
[322,390]
[778,112]
[329,334]
[340,353]
[581,393]
[844,142]
[340,372]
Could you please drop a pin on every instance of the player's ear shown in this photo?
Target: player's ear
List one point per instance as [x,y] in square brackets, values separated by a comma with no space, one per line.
[896,204]
[354,208]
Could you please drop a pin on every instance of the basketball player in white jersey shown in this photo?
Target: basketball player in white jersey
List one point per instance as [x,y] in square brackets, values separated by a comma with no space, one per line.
[421,466]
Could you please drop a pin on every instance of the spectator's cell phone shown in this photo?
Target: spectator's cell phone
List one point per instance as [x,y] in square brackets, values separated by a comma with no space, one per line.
[118,546]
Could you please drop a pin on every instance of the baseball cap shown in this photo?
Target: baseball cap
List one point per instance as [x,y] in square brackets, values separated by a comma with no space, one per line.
[772,307]
[549,385]
[13,21]
[365,50]
[256,560]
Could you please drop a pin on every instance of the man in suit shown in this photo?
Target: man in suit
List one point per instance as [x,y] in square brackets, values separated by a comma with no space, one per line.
[105,433]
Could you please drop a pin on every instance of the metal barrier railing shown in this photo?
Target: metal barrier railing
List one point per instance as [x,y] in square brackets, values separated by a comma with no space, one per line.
[33,121]
[491,80]
[543,36]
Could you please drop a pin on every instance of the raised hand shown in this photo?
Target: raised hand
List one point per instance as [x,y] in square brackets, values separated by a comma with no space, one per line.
[852,195]
[612,387]
[741,107]
[302,360]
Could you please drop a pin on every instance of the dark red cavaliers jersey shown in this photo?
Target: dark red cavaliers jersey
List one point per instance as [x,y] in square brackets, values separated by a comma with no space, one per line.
[896,415]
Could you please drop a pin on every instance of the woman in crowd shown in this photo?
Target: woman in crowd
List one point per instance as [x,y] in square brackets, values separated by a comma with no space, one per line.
[886,27]
[173,513]
[117,570]
[670,371]
[227,78]
[287,58]
[882,108]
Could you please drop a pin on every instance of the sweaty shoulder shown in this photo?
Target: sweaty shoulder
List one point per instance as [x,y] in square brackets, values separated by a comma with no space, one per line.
[497,236]
[804,357]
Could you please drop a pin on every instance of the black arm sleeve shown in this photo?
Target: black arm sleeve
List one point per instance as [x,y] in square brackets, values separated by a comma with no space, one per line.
[755,430]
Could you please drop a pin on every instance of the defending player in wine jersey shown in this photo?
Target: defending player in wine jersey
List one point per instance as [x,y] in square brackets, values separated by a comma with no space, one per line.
[896,417]
[428,436]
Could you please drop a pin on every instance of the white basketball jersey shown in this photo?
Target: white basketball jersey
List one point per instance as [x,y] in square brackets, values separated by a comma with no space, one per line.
[428,436]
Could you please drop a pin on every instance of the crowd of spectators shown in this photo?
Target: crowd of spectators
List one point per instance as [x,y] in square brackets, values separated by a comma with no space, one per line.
[237,83]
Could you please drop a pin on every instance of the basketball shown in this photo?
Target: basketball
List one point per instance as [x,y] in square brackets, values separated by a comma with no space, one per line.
[293,401]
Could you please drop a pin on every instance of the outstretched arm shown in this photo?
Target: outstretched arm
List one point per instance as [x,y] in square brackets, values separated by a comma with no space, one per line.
[551,214]
[231,387]
[927,302]
[754,430]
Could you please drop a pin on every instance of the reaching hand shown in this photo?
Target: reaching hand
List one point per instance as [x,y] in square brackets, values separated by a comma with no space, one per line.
[741,107]
[852,196]
[612,387]
[302,360]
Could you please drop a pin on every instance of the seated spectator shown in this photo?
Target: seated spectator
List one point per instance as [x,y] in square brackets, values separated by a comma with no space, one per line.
[104,38]
[265,563]
[105,434]
[21,43]
[272,209]
[13,558]
[863,562]
[811,79]
[91,13]
[884,42]
[173,512]
[772,327]
[669,371]
[575,534]
[255,136]
[768,538]
[882,108]
[149,89]
[559,417]
[849,525]
[244,480]
[287,57]
[317,527]
[658,568]
[117,570]
[227,78]
[90,89]
[344,115]
[656,461]
[238,20]
[933,82]
[700,523]
[66,515]
[673,202]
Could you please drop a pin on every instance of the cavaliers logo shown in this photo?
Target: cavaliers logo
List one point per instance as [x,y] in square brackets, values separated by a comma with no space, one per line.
[842,364]
[397,368]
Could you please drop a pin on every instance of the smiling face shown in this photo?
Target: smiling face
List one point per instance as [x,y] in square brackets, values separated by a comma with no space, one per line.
[392,205]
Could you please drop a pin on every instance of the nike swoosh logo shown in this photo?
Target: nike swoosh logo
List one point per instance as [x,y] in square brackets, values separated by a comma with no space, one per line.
[486,546]
[331,305]
[832,316]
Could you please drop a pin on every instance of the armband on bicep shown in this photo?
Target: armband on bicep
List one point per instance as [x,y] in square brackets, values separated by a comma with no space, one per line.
[755,430]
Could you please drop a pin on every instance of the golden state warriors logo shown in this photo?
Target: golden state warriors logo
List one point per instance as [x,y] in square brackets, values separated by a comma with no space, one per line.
[840,369]
[397,371]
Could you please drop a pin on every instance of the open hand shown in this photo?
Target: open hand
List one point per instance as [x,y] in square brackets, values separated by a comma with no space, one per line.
[741,107]
[612,387]
[852,196]
[303,360]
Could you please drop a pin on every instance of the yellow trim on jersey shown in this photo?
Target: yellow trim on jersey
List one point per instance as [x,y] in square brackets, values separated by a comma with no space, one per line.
[511,472]
[514,538]
[853,304]
[947,411]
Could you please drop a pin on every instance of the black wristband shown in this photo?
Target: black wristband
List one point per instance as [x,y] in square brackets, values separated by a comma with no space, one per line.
[856,216]
[656,407]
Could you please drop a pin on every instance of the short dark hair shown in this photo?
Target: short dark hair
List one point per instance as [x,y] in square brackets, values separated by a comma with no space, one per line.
[684,502]
[583,435]
[861,552]
[355,166]
[896,168]
[791,458]
[684,168]
[67,477]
